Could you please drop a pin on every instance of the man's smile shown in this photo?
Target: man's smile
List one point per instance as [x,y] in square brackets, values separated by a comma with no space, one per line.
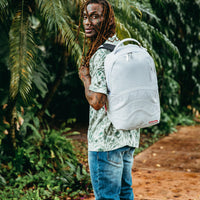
[88,30]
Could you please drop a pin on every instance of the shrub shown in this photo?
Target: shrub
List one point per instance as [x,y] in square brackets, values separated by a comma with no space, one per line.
[44,166]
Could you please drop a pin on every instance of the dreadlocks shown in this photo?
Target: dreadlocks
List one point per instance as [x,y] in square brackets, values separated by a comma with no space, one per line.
[107,28]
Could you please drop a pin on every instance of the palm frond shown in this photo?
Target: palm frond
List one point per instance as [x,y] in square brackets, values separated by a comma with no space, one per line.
[122,31]
[3,8]
[145,8]
[3,4]
[53,13]
[131,11]
[22,51]
[143,31]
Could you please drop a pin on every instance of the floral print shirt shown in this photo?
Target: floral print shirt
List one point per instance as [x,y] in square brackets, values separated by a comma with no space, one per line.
[102,135]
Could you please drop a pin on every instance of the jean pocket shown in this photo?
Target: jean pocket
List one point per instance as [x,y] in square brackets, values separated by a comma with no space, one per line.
[115,157]
[131,151]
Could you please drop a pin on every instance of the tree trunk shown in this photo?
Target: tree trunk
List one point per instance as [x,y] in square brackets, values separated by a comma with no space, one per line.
[9,142]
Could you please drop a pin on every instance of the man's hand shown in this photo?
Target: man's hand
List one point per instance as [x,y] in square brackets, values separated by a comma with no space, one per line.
[84,73]
[95,99]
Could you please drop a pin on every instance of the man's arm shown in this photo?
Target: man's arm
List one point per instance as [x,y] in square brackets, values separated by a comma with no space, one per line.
[95,99]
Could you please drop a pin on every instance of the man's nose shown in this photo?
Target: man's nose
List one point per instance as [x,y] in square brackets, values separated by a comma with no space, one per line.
[88,21]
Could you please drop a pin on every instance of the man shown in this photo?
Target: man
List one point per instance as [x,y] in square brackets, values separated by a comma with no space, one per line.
[110,151]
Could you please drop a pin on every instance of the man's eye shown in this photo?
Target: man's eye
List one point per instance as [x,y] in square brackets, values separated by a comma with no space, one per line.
[94,16]
[85,17]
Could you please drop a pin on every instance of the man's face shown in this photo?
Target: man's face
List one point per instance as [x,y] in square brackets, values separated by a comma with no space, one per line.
[92,18]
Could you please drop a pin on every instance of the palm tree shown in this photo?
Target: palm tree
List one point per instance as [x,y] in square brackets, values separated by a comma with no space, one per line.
[18,17]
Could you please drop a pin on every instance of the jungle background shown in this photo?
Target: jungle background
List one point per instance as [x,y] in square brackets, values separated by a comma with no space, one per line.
[42,98]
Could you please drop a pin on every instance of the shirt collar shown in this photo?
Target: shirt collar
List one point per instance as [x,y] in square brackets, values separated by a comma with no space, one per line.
[112,39]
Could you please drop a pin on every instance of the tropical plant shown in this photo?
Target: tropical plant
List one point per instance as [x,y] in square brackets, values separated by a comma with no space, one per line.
[44,165]
[179,22]
[32,158]
[26,23]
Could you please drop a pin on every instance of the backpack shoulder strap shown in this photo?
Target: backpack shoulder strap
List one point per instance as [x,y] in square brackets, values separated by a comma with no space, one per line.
[109,47]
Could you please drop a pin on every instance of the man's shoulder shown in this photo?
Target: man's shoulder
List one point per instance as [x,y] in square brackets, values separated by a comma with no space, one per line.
[102,52]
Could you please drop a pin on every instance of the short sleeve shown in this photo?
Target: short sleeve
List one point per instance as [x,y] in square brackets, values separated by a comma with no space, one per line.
[97,72]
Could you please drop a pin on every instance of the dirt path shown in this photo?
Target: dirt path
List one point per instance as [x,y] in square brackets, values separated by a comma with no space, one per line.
[169,169]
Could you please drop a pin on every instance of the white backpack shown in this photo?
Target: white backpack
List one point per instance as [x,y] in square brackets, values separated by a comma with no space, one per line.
[133,98]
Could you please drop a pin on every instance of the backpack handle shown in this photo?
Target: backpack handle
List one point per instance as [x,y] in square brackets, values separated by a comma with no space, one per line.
[125,40]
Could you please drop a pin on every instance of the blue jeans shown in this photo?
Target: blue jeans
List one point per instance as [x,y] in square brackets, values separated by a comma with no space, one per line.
[110,173]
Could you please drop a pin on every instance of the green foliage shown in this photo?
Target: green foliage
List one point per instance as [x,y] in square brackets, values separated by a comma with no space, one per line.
[179,22]
[26,27]
[22,53]
[44,166]
[55,17]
